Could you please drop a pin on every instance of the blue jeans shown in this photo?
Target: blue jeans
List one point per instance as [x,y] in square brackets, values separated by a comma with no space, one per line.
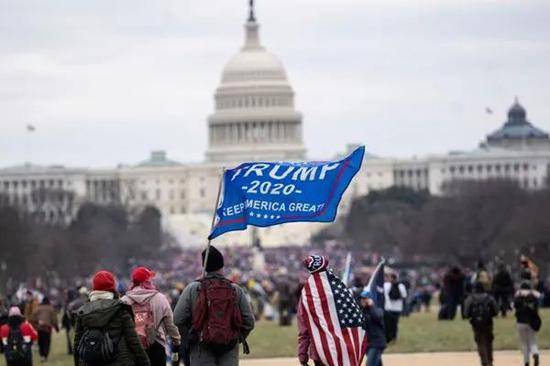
[374,356]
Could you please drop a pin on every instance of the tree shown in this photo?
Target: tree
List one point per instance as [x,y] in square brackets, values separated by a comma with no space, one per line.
[472,220]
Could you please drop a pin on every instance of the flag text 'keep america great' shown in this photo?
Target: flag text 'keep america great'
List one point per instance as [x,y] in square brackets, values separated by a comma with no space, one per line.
[270,193]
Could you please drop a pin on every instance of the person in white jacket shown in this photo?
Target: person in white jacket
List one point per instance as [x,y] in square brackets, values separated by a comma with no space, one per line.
[395,294]
[154,317]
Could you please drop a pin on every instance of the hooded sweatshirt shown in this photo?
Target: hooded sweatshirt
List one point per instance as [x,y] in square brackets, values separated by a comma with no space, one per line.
[117,319]
[162,312]
[27,331]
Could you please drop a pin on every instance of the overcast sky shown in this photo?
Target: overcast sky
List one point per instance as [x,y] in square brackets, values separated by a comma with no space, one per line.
[105,82]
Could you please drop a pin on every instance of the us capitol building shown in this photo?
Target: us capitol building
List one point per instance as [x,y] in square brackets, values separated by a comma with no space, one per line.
[255,119]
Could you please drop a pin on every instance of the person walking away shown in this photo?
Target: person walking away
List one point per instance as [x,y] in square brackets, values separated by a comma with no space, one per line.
[306,346]
[3,320]
[529,271]
[284,300]
[395,294]
[453,289]
[154,317]
[374,325]
[17,337]
[3,313]
[526,303]
[76,304]
[29,305]
[480,308]
[69,317]
[217,314]
[105,332]
[66,322]
[503,289]
[45,321]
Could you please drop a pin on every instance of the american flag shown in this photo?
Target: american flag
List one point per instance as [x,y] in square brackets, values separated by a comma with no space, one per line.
[335,320]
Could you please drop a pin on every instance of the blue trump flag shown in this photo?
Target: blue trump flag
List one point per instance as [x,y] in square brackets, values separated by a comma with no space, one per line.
[271,193]
[376,285]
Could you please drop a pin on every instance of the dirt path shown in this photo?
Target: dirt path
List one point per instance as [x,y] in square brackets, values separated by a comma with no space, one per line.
[502,358]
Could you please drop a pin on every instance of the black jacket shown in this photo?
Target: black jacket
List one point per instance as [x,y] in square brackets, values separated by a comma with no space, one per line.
[480,298]
[503,283]
[527,305]
[374,325]
[117,318]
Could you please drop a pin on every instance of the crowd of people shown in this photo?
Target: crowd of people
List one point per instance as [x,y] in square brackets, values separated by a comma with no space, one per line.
[155,316]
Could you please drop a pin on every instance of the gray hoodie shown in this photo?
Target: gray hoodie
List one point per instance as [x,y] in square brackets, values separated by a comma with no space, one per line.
[162,313]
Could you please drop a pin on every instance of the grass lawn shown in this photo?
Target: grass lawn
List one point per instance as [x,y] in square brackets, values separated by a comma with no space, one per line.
[421,332]
[418,333]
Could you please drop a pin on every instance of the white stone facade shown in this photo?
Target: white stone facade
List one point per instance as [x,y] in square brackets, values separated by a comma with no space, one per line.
[254,116]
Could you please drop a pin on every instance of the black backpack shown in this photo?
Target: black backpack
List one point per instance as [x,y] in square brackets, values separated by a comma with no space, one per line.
[16,349]
[96,347]
[480,313]
[394,293]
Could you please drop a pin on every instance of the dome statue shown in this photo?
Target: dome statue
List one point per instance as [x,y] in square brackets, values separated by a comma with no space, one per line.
[254,117]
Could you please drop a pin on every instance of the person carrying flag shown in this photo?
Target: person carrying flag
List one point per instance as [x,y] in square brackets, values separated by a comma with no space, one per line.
[372,301]
[374,325]
[330,321]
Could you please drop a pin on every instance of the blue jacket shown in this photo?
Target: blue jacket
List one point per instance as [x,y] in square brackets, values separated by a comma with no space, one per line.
[374,325]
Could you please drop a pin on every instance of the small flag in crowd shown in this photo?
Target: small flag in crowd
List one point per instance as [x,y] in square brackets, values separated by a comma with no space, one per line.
[346,274]
[335,320]
[376,285]
[271,193]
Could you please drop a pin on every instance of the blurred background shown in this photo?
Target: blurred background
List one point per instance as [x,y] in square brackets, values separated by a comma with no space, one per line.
[117,119]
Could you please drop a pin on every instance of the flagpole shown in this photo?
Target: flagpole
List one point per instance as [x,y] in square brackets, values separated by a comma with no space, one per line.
[213,222]
[382,261]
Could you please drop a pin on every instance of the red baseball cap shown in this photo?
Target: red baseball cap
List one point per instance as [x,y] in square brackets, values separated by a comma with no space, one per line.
[142,274]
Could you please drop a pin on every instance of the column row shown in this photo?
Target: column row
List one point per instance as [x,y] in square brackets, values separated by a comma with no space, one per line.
[268,131]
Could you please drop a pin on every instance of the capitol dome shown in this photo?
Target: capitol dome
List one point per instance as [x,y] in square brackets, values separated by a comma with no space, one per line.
[251,65]
[254,117]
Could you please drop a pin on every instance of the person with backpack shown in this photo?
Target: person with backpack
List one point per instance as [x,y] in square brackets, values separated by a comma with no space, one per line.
[154,317]
[481,307]
[526,303]
[105,331]
[216,315]
[17,337]
[395,294]
[44,319]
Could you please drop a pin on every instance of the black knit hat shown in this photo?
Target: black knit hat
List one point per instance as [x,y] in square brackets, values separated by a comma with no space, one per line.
[215,259]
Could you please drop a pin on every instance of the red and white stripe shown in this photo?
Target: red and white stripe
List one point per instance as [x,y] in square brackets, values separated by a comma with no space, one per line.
[336,346]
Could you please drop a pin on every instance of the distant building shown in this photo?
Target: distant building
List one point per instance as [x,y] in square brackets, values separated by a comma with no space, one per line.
[517,151]
[518,134]
[254,114]
[54,193]
[255,119]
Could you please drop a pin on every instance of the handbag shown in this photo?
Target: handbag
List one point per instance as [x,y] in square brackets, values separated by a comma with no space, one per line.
[535,322]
